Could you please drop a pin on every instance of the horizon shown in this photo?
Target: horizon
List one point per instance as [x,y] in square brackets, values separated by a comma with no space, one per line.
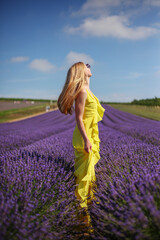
[30,99]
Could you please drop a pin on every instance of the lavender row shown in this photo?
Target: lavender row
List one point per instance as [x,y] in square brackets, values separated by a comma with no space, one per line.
[37,180]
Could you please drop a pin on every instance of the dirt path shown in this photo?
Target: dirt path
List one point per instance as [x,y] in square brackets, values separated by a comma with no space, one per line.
[30,116]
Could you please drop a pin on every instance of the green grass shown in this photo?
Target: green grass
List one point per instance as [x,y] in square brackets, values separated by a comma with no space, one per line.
[12,114]
[143,111]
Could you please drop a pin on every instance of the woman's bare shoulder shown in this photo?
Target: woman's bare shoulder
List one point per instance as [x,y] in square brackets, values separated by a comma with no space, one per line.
[82,94]
[83,90]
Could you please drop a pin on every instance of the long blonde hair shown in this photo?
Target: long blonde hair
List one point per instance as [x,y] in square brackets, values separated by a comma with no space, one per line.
[75,81]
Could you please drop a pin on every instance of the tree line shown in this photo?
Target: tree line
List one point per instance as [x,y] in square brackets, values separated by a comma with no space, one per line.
[148,101]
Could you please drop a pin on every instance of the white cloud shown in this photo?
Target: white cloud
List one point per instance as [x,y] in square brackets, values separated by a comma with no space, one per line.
[155,3]
[19,59]
[41,94]
[74,57]
[32,93]
[108,18]
[116,97]
[156,24]
[95,7]
[99,7]
[121,97]
[42,65]
[157,73]
[22,80]
[112,26]
[133,75]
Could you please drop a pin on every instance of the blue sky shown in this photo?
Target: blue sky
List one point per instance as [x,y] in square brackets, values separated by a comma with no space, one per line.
[41,39]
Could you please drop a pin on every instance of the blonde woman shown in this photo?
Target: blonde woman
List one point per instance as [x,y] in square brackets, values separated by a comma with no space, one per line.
[88,112]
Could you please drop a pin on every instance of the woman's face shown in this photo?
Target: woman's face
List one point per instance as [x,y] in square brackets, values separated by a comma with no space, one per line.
[87,71]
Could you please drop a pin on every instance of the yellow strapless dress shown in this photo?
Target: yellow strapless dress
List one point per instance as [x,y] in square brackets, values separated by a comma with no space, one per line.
[84,161]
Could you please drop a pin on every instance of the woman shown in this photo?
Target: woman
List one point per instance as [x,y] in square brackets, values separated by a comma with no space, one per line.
[88,112]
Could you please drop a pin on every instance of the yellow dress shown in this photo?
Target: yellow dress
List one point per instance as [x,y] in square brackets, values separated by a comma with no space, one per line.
[84,161]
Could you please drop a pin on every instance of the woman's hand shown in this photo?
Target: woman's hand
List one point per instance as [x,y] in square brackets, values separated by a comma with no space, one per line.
[88,146]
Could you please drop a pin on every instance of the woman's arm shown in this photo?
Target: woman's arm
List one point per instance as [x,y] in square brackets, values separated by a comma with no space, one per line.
[79,110]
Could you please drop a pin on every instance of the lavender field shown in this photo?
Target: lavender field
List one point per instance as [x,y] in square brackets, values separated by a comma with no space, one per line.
[37,184]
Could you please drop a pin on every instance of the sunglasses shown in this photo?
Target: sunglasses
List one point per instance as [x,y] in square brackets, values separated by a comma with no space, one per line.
[88,66]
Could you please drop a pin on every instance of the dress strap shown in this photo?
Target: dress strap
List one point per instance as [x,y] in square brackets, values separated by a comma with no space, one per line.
[91,95]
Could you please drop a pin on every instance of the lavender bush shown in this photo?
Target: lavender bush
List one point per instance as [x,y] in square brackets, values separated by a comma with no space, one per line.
[37,183]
